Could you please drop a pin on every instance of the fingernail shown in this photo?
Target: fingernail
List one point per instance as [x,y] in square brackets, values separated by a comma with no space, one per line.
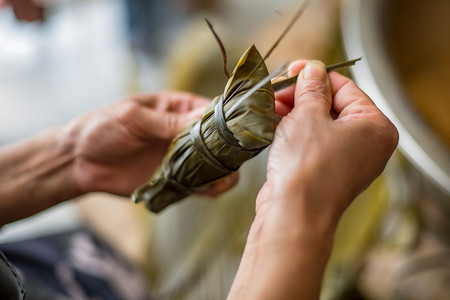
[314,70]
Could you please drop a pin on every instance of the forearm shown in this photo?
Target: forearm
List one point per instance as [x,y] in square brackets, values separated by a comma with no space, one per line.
[312,177]
[36,174]
[284,259]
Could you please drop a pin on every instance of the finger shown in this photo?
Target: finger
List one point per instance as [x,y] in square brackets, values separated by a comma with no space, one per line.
[295,67]
[284,101]
[221,185]
[348,98]
[148,123]
[150,116]
[166,125]
[282,108]
[148,100]
[285,98]
[172,101]
[313,89]
[191,117]
[184,102]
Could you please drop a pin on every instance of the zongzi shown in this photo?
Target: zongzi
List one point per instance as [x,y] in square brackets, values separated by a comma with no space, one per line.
[216,145]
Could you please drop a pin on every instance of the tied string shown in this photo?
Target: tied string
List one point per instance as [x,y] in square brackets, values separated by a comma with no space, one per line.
[225,134]
[222,128]
[200,146]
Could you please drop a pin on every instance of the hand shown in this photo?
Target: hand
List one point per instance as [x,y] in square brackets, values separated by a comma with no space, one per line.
[331,144]
[336,141]
[118,148]
[114,150]
[27,10]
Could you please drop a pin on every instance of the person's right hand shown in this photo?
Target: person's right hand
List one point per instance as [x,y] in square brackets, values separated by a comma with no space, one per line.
[330,145]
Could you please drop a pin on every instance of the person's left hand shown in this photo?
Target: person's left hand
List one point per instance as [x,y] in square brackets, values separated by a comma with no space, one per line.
[119,147]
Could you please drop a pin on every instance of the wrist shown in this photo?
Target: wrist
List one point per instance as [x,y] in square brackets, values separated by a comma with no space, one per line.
[36,174]
[50,167]
[291,224]
[307,207]
[285,255]
[67,139]
[66,153]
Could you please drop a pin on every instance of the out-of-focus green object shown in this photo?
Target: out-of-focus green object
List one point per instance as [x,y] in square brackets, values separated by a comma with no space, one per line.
[216,146]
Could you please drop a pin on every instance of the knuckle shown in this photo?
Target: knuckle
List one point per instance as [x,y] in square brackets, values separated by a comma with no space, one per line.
[313,89]
[171,125]
[392,134]
[130,108]
[386,133]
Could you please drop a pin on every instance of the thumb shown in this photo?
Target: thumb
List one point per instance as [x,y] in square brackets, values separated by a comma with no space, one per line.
[313,87]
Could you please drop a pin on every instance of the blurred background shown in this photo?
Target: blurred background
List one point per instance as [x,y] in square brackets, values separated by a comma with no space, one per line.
[393,242]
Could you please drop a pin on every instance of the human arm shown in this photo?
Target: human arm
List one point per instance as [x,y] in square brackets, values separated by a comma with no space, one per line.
[332,143]
[114,150]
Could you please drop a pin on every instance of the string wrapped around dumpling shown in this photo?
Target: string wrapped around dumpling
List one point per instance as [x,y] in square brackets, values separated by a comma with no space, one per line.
[215,146]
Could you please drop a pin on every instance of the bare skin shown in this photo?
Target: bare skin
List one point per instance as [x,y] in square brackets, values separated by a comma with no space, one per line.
[331,144]
[113,150]
[26,10]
